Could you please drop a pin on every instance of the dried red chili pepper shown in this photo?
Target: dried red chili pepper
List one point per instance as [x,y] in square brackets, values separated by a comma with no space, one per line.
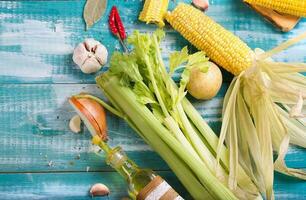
[112,22]
[116,26]
[119,25]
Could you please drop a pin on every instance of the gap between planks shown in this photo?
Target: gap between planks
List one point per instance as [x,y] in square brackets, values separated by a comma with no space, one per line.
[71,171]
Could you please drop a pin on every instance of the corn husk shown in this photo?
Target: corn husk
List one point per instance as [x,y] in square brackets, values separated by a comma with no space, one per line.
[263,111]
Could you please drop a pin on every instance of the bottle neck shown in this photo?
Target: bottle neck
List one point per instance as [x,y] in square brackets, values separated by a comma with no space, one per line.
[118,160]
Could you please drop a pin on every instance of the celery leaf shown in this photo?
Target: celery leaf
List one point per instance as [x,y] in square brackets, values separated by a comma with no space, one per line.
[125,65]
[144,95]
[177,58]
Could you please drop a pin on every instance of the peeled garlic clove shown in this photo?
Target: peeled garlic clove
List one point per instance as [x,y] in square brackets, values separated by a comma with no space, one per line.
[201,4]
[80,54]
[99,189]
[91,65]
[75,124]
[101,54]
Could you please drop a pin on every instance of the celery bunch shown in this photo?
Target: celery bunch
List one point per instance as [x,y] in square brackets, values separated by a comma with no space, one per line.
[142,92]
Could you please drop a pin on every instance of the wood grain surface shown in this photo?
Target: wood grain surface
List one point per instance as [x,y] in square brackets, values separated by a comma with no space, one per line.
[39,157]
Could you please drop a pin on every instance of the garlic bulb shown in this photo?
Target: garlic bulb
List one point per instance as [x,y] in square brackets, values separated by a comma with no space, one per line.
[90,56]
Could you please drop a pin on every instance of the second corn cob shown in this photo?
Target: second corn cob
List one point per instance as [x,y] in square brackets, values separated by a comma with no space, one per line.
[292,7]
[154,11]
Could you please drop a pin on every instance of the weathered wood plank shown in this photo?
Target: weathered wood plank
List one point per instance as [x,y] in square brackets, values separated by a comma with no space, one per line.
[37,39]
[34,131]
[66,186]
[36,43]
[288,188]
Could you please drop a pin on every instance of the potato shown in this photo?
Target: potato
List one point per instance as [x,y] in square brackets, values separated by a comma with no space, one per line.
[205,85]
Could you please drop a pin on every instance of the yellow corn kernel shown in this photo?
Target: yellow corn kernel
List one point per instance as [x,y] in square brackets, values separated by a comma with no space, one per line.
[223,47]
[154,11]
[292,7]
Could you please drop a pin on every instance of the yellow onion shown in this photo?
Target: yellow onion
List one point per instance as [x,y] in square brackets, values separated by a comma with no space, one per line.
[92,114]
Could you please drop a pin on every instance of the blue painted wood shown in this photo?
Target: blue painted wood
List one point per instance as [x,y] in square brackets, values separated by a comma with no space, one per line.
[37,39]
[72,186]
[34,131]
[68,186]
[36,43]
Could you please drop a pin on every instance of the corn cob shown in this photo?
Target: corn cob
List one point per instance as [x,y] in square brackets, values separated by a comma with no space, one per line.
[223,47]
[292,7]
[154,11]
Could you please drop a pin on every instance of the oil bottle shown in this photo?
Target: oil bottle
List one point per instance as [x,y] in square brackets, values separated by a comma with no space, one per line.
[143,184]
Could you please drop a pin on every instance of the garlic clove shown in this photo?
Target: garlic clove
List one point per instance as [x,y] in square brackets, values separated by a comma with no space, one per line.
[91,65]
[75,124]
[101,54]
[99,189]
[80,54]
[91,44]
[201,4]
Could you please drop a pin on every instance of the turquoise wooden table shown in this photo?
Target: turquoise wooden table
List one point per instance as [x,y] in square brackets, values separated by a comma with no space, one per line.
[39,157]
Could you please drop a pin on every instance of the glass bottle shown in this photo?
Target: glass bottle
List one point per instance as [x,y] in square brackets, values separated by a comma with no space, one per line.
[143,184]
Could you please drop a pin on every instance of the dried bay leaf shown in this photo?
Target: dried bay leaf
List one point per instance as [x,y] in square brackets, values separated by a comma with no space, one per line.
[93,11]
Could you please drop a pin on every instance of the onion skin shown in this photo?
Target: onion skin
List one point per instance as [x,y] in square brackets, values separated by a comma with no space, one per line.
[93,113]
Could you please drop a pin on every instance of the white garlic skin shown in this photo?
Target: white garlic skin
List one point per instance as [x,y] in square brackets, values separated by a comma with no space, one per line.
[99,189]
[90,56]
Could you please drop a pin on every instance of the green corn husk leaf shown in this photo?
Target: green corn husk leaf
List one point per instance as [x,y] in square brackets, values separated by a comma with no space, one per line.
[260,112]
[296,128]
[269,95]
[288,88]
[244,181]
[227,130]
[249,143]
[280,164]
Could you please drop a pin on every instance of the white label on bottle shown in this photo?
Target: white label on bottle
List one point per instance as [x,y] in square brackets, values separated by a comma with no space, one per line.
[159,191]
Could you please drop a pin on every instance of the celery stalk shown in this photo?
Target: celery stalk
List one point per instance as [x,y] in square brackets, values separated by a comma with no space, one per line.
[142,117]
[183,172]
[243,179]
[142,93]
